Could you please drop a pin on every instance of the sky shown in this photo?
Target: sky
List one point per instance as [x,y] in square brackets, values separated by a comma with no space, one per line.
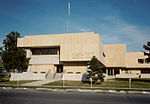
[116,21]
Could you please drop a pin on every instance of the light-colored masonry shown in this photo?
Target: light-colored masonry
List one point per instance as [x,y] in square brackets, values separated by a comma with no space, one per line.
[66,56]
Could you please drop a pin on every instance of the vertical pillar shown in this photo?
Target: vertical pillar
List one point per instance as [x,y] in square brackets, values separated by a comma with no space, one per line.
[55,69]
[106,71]
[58,54]
[119,71]
[113,72]
[130,71]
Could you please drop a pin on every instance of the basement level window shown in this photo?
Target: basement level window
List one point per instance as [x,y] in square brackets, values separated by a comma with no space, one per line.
[69,72]
[78,72]
[145,71]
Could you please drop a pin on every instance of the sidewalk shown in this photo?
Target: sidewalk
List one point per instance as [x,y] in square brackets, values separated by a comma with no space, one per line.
[39,83]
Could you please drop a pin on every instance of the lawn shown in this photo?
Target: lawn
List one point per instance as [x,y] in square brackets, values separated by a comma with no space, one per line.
[16,82]
[109,83]
[68,83]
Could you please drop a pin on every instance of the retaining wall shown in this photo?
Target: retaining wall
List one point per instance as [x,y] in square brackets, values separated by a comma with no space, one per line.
[27,76]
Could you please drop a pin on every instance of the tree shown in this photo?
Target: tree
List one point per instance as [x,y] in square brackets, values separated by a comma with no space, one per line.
[95,70]
[1,66]
[147,47]
[12,56]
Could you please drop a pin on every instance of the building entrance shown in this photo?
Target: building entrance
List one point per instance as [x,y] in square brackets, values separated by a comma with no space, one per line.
[59,68]
[113,71]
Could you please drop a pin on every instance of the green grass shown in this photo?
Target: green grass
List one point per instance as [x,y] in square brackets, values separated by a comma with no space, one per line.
[15,82]
[140,84]
[68,83]
[114,83]
[109,83]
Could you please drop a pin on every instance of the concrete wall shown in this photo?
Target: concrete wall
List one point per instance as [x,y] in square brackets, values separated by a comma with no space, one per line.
[75,67]
[27,76]
[145,75]
[75,77]
[131,71]
[127,76]
[44,59]
[101,51]
[133,76]
[43,68]
[115,55]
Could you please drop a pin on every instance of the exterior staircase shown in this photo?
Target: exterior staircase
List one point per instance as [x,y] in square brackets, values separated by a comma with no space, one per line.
[53,75]
[58,76]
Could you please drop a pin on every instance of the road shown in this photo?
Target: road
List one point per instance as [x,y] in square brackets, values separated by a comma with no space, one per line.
[16,96]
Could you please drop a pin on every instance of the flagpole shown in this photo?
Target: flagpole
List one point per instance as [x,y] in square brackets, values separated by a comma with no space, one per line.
[68,19]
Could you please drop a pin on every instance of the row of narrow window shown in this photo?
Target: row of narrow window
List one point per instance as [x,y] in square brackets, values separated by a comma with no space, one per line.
[47,51]
[144,71]
[141,61]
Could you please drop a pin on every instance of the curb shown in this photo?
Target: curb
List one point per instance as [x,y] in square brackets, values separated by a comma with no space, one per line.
[79,90]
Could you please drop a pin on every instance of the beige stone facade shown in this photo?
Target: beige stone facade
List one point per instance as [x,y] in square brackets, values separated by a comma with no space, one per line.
[115,55]
[68,54]
[122,64]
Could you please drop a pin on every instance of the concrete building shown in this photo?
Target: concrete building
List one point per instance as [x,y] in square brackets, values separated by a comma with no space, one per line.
[67,55]
[122,64]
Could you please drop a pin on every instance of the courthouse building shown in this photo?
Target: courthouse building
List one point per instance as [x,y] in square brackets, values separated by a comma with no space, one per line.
[67,55]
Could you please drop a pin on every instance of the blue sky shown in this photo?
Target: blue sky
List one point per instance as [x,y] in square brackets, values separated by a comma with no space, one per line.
[117,21]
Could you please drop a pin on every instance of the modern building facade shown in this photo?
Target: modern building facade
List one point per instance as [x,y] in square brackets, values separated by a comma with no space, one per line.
[67,55]
[122,64]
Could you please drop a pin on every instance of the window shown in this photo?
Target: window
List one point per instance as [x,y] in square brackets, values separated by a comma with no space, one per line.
[126,71]
[147,60]
[36,52]
[44,51]
[53,51]
[78,72]
[103,54]
[145,71]
[140,61]
[69,72]
[43,72]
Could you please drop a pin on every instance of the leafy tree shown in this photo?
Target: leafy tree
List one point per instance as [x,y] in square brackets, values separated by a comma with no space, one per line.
[1,66]
[95,70]
[12,56]
[147,47]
